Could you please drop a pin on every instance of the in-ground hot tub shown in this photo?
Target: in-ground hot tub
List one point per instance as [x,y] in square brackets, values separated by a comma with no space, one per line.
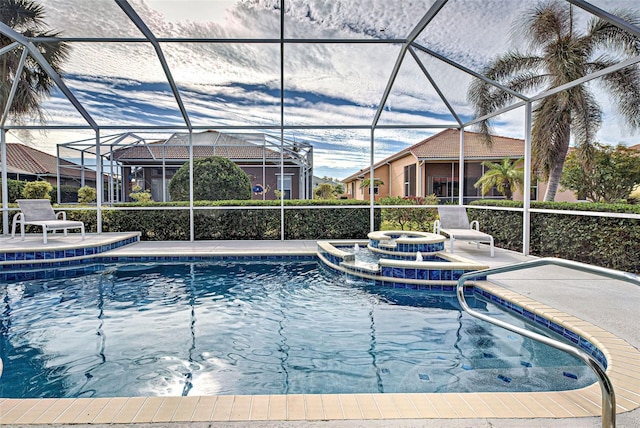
[398,258]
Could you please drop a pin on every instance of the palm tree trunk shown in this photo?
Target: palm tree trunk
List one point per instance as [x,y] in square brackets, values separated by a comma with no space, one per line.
[556,171]
[554,181]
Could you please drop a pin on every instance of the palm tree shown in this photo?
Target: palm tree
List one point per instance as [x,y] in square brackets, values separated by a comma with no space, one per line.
[558,55]
[27,17]
[506,176]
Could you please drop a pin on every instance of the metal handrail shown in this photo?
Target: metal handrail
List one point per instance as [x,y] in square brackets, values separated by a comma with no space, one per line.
[608,395]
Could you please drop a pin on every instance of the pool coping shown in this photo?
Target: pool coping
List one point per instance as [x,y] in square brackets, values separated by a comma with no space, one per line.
[623,369]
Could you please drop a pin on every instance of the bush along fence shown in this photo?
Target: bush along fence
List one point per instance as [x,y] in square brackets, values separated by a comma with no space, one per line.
[211,223]
[602,241]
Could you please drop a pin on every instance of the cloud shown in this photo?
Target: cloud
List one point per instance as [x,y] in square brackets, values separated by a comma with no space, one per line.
[341,84]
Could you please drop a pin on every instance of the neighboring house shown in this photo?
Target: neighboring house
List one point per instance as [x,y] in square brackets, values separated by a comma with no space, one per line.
[152,165]
[326,180]
[432,167]
[28,164]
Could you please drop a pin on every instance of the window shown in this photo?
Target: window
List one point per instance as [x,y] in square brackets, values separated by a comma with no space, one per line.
[284,185]
[410,180]
[362,190]
[534,189]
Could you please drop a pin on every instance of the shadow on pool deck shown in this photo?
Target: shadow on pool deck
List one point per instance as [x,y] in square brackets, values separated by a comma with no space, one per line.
[608,304]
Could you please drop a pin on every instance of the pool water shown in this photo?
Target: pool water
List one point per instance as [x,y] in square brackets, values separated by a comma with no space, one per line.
[256,328]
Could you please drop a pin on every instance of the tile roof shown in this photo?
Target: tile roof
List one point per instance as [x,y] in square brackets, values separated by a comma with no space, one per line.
[27,160]
[234,152]
[206,143]
[445,145]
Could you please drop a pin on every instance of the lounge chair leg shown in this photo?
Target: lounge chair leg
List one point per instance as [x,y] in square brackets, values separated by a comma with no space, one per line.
[451,245]
[44,234]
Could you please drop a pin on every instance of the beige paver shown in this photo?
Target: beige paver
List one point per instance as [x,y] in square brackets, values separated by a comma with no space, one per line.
[277,407]
[386,406]
[56,408]
[295,407]
[24,411]
[167,409]
[241,410]
[222,411]
[314,408]
[185,409]
[350,407]
[72,412]
[368,406]
[204,409]
[259,408]
[332,406]
[129,410]
[34,412]
[442,405]
[92,410]
[423,405]
[405,406]
[110,410]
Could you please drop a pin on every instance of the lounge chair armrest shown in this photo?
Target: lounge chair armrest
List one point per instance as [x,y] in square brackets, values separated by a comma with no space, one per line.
[436,227]
[17,219]
[475,225]
[61,215]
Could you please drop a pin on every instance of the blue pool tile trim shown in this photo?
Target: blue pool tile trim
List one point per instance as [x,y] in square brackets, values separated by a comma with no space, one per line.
[21,258]
[546,324]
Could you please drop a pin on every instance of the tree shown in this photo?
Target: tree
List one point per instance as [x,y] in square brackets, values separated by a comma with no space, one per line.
[214,178]
[27,18]
[559,54]
[506,176]
[610,175]
[325,191]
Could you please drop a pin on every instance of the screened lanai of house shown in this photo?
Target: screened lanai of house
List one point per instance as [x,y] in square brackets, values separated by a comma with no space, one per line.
[348,82]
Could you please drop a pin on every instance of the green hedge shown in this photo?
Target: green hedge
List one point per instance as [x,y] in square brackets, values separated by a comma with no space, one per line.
[244,223]
[600,241]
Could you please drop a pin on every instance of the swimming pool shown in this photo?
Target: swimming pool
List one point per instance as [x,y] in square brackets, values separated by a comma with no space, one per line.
[255,328]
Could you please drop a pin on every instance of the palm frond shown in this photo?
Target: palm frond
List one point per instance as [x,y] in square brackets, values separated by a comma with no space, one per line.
[586,116]
[545,23]
[604,34]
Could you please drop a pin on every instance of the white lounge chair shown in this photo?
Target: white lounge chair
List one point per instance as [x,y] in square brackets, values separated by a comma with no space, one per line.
[454,223]
[39,212]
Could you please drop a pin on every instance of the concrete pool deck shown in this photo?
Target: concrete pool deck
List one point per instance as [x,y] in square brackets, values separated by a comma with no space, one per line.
[606,310]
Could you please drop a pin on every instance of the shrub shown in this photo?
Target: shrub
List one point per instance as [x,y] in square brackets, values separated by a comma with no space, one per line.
[37,190]
[243,223]
[411,218]
[14,189]
[214,178]
[601,241]
[139,195]
[87,195]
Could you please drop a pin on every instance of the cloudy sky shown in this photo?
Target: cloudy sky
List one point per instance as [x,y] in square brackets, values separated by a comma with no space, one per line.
[331,84]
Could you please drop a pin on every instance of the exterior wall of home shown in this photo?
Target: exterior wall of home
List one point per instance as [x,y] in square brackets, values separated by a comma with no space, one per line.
[396,178]
[354,191]
[561,195]
[152,180]
[268,177]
